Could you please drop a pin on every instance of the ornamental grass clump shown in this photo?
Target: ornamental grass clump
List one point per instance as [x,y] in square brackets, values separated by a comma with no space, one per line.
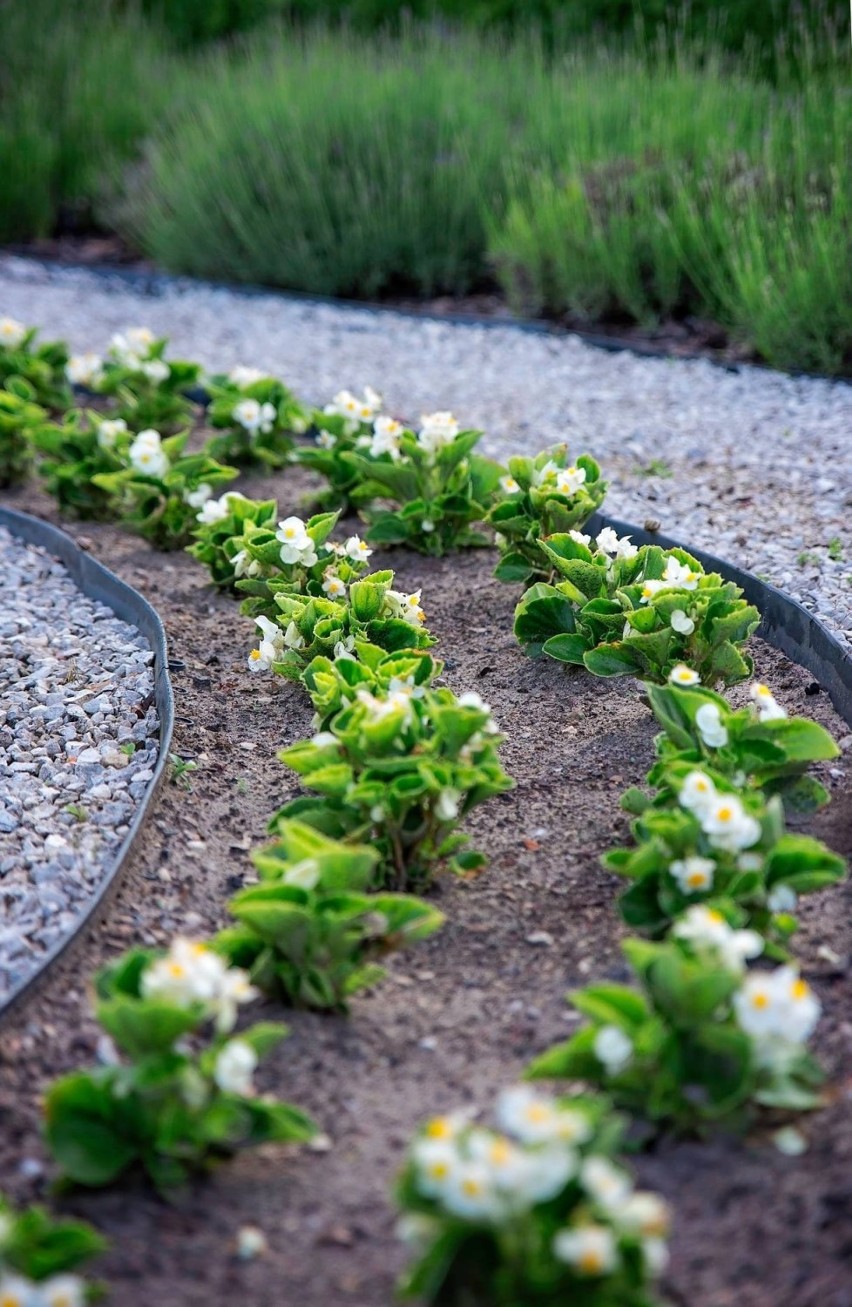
[296,558]
[257,415]
[534,1213]
[539,497]
[311,932]
[344,425]
[179,1093]
[160,490]
[399,771]
[146,391]
[38,1258]
[701,1039]
[42,367]
[426,490]
[306,626]
[621,610]
[20,417]
[703,840]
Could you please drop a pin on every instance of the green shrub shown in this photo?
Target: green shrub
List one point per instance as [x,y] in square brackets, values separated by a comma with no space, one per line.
[78,97]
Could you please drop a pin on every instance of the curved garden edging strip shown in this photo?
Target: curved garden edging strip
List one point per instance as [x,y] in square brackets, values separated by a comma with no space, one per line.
[97,582]
[784,622]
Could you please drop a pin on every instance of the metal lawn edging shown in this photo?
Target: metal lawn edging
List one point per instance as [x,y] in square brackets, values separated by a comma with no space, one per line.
[98,582]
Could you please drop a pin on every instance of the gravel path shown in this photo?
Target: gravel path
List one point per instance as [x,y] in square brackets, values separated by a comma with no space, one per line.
[74,687]
[754,465]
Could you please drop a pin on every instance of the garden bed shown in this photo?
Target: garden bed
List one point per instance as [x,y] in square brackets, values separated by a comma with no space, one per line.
[459,1015]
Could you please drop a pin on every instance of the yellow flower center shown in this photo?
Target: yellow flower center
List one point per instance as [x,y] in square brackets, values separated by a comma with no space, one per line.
[471,1187]
[714,916]
[537,1113]
[760,1000]
[590,1261]
[696,879]
[439,1170]
[254,655]
[799,989]
[500,1152]
[724,814]
[439,1128]
[176,970]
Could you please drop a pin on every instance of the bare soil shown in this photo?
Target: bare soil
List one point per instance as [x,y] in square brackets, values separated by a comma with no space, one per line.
[459,1016]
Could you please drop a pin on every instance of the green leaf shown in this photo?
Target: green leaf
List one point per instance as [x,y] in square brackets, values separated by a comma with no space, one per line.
[612,660]
[81,1132]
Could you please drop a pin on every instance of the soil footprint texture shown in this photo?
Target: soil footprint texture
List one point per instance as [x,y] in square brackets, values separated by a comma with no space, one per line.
[458,1016]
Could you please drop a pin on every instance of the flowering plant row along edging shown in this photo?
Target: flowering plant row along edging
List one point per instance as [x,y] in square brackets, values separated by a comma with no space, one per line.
[360,649]
[98,582]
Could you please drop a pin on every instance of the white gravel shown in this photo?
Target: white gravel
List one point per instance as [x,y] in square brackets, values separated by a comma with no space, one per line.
[753,465]
[75,686]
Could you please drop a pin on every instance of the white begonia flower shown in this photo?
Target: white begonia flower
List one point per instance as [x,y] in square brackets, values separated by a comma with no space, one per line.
[447,807]
[590,1250]
[197,497]
[437,431]
[324,739]
[234,1067]
[11,333]
[147,455]
[534,1119]
[776,1007]
[546,473]
[509,485]
[139,338]
[156,370]
[427,525]
[293,637]
[85,370]
[768,707]
[333,586]
[613,1049]
[406,607]
[59,1291]
[303,875]
[435,1161]
[326,440]
[212,510]
[683,675]
[470,1191]
[244,565]
[626,548]
[681,622]
[707,930]
[235,988]
[607,1184]
[344,648]
[385,438]
[253,416]
[416,1230]
[16,1291]
[580,538]
[470,699]
[644,1214]
[242,377]
[655,1255]
[781,898]
[131,348]
[697,793]
[357,549]
[109,431]
[251,1241]
[694,875]
[607,541]
[677,576]
[712,730]
[728,826]
[294,538]
[750,861]
[271,648]
[189,973]
[569,480]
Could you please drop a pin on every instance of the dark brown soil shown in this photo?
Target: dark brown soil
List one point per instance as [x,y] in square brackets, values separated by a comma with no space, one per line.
[459,1016]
